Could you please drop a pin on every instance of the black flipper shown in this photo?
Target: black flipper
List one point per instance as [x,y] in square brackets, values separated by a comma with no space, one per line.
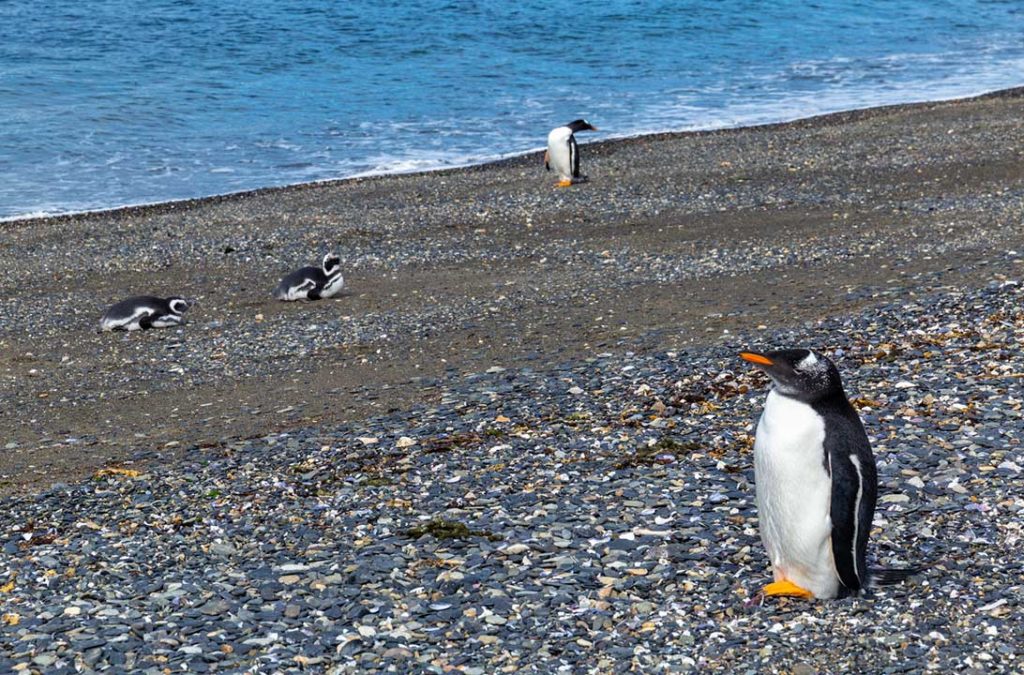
[854,491]
[574,157]
[146,322]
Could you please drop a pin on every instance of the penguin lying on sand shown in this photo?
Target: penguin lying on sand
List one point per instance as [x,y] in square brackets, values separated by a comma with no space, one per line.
[312,283]
[143,312]
[563,154]
[816,481]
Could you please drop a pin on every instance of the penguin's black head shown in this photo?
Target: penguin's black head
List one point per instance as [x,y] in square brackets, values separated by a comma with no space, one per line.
[331,263]
[178,304]
[581,125]
[799,373]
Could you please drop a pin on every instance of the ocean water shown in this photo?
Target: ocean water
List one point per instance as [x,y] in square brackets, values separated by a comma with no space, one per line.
[113,102]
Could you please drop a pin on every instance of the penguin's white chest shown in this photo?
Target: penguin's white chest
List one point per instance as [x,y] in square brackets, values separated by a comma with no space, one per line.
[794,492]
[333,286]
[559,153]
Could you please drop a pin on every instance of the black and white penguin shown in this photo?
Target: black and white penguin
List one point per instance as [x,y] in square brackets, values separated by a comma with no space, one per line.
[563,154]
[815,479]
[312,283]
[143,312]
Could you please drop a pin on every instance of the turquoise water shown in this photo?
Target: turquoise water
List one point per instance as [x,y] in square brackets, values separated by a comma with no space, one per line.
[108,102]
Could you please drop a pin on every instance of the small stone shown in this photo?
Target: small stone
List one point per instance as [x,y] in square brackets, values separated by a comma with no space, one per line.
[293,567]
[219,548]
[215,608]
[45,659]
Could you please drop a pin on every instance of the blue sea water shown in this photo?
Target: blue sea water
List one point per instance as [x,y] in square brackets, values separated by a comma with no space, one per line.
[106,103]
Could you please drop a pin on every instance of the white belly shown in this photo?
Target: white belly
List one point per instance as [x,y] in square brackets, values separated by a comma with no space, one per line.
[558,152]
[333,287]
[794,493]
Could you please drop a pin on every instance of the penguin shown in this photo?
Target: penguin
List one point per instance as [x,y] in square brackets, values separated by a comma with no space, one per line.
[815,480]
[143,312]
[563,154]
[312,283]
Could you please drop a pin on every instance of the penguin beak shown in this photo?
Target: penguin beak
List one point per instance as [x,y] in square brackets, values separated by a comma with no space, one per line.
[757,359]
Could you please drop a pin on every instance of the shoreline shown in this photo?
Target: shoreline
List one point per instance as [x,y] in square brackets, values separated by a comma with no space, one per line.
[677,241]
[510,159]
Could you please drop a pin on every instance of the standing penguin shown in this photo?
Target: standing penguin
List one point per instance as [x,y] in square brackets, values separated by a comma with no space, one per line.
[816,481]
[563,154]
[312,283]
[143,312]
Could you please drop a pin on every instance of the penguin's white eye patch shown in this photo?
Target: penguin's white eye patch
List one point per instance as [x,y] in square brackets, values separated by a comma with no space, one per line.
[809,362]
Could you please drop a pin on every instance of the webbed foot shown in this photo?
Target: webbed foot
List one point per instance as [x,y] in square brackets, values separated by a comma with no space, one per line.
[786,588]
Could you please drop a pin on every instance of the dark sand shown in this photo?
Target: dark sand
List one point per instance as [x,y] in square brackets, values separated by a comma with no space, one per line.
[675,240]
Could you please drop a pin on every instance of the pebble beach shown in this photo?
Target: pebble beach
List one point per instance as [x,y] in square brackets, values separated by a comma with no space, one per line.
[521,440]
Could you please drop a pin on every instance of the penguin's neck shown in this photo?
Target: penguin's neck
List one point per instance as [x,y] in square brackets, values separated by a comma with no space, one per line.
[789,425]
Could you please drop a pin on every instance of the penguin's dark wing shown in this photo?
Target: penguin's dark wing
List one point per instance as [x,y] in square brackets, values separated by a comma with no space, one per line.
[574,157]
[300,279]
[146,322]
[854,489]
[307,284]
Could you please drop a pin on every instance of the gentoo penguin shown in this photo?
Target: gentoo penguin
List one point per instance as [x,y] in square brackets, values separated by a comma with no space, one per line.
[143,312]
[312,283]
[563,154]
[815,479]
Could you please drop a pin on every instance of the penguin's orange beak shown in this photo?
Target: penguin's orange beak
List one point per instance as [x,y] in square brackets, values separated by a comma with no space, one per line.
[756,358]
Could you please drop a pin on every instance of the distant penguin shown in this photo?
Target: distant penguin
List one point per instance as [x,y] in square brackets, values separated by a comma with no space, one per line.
[143,312]
[312,283]
[815,479]
[563,154]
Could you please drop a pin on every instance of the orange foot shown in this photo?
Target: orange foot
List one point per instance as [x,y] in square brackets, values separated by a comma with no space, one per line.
[787,588]
[564,183]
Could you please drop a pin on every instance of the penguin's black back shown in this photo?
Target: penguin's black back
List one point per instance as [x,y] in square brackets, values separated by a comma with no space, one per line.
[128,306]
[303,273]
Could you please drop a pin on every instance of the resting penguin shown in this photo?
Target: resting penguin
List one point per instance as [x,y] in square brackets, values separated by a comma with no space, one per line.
[312,283]
[563,154]
[815,479]
[143,312]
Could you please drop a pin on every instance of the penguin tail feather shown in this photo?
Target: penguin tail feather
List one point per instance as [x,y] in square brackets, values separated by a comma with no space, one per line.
[888,576]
